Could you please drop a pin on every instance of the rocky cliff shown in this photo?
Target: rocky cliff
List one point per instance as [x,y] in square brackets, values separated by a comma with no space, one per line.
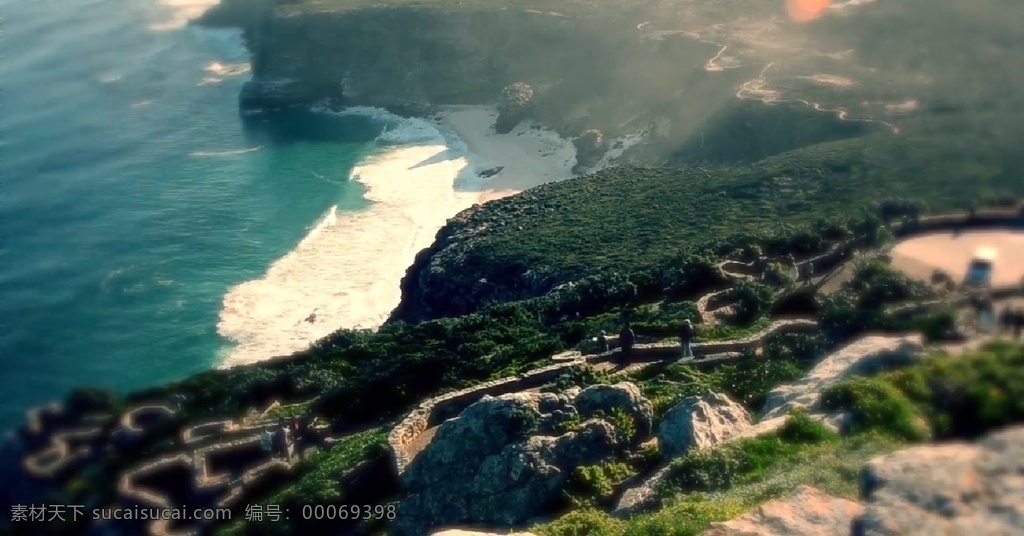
[590,65]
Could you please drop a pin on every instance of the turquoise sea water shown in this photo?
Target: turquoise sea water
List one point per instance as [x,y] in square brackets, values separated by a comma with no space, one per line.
[133,196]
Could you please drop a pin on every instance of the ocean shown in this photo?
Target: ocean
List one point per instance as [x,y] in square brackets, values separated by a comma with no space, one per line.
[148,231]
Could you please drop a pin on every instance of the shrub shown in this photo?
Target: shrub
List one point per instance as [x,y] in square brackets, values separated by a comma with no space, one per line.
[595,484]
[801,429]
[703,470]
[963,397]
[752,302]
[624,423]
[580,377]
[750,381]
[937,325]
[875,405]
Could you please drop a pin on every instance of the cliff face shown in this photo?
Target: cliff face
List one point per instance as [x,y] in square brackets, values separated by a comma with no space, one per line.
[454,277]
[397,55]
[585,71]
[590,70]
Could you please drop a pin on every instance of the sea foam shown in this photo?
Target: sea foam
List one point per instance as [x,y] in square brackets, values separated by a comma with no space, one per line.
[347,270]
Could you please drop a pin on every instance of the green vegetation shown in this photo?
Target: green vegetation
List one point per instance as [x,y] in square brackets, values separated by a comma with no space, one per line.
[316,482]
[861,305]
[960,397]
[787,202]
[747,381]
[748,460]
[724,483]
[595,484]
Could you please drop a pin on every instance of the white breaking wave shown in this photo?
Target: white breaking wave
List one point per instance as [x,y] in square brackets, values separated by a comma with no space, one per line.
[345,272]
[227,69]
[220,71]
[225,153]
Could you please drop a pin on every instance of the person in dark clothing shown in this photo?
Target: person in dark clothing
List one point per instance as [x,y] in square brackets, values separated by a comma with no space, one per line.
[1018,323]
[808,272]
[296,433]
[626,341]
[761,266]
[686,335]
[1005,320]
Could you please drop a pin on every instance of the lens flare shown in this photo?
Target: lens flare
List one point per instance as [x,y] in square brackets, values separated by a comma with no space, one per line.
[806,10]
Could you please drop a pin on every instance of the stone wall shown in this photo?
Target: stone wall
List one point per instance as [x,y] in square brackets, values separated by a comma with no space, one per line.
[434,411]
[982,219]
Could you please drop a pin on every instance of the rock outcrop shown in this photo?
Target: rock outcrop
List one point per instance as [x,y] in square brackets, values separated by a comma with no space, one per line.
[956,489]
[503,460]
[868,355]
[865,356]
[805,512]
[513,106]
[591,147]
[700,422]
[604,400]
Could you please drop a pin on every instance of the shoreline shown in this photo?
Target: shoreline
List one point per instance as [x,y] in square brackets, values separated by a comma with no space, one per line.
[526,157]
[463,164]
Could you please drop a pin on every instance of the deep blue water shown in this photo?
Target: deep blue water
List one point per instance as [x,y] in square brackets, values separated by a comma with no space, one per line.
[127,207]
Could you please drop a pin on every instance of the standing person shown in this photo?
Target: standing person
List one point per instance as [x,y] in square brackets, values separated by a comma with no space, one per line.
[1018,323]
[626,340]
[296,432]
[267,441]
[761,267]
[686,335]
[987,314]
[1005,320]
[281,438]
[808,271]
[977,306]
[794,269]
[602,343]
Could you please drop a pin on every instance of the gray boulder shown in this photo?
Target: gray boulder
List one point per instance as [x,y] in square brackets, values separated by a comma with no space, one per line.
[513,106]
[598,400]
[641,497]
[805,512]
[483,429]
[700,422]
[869,355]
[950,489]
[500,461]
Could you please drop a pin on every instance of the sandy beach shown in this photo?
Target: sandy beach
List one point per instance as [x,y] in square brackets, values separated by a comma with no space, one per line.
[919,256]
[528,155]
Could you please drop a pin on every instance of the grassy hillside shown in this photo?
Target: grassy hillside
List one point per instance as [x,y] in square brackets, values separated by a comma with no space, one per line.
[627,219]
[948,398]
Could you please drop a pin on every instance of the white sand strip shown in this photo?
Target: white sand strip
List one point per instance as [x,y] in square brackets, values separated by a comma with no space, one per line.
[528,155]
